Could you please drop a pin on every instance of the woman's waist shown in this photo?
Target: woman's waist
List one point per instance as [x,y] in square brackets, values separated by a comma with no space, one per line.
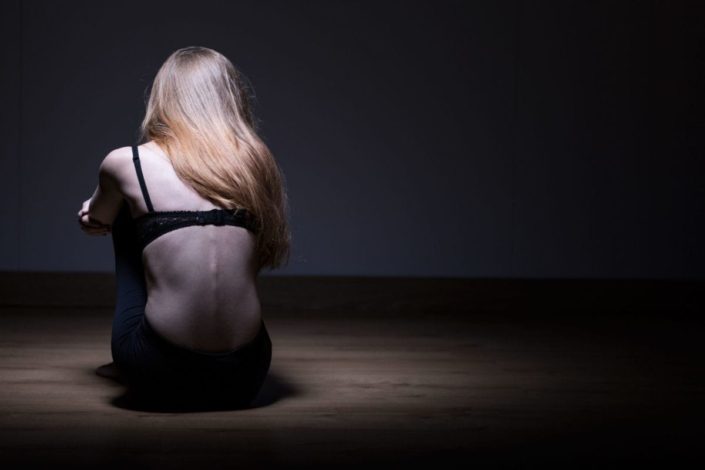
[206,323]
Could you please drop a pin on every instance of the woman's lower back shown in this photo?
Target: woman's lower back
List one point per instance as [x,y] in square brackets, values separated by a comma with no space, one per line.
[201,287]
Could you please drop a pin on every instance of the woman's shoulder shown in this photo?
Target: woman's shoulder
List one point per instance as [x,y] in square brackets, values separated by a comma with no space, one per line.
[115,162]
[120,160]
[123,156]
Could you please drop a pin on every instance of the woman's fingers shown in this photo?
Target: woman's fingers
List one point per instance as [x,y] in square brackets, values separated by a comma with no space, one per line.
[91,227]
[84,207]
[88,220]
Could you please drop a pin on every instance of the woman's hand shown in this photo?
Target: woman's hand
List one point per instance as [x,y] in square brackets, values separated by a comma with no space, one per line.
[90,225]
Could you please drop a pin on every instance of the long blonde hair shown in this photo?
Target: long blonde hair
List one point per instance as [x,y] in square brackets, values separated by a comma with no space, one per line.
[200,114]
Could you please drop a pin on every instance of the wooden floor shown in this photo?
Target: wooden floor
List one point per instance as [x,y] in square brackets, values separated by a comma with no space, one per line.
[346,390]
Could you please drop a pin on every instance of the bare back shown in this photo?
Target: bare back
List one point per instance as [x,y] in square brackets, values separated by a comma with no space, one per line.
[201,281]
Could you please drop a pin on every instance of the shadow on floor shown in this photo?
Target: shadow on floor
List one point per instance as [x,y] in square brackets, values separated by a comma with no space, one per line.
[274,388]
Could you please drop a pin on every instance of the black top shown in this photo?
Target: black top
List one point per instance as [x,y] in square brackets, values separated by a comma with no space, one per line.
[154,224]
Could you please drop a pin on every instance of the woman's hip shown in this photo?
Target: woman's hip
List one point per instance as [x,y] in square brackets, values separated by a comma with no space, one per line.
[147,357]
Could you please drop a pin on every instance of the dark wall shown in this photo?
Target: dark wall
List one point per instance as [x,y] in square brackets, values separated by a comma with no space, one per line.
[444,138]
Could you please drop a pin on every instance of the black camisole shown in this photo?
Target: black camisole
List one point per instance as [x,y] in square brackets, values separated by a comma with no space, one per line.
[153,224]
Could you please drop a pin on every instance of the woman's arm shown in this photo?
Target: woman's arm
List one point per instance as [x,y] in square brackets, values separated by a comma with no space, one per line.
[98,213]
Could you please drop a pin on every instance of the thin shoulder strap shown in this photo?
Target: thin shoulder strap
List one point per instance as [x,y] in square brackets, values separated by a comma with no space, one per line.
[140,176]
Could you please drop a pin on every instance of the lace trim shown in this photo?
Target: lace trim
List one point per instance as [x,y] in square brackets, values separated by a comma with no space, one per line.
[152,225]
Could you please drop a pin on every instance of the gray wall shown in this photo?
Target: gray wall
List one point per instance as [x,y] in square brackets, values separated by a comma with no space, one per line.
[452,139]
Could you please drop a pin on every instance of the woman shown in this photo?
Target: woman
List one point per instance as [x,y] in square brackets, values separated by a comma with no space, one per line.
[196,210]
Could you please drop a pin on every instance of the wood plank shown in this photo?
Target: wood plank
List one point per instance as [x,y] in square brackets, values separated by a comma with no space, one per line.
[350,390]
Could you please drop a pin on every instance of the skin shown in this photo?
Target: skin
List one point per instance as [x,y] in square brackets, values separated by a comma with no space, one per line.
[106,200]
[201,281]
[89,225]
